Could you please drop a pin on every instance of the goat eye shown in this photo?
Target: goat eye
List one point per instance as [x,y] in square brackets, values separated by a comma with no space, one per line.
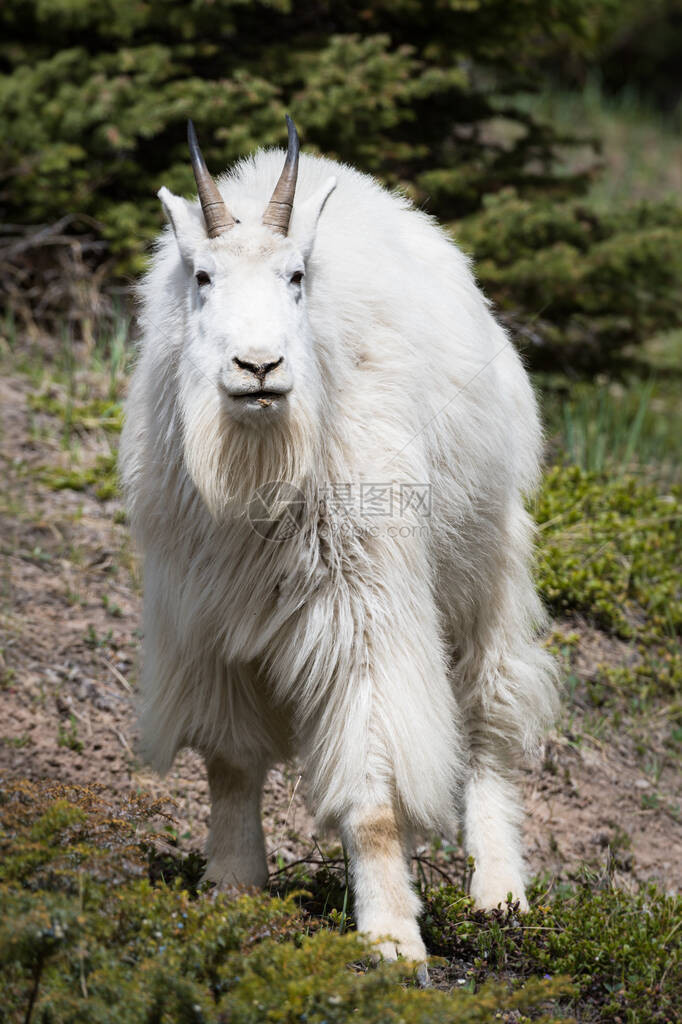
[202,278]
[297,277]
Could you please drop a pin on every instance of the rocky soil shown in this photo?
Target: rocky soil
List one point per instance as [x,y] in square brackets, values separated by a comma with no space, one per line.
[69,655]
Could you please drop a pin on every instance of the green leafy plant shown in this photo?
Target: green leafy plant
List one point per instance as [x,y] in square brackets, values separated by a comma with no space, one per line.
[568,266]
[96,925]
[67,736]
[623,952]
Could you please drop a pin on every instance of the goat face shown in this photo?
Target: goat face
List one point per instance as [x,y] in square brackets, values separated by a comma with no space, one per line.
[247,332]
[249,384]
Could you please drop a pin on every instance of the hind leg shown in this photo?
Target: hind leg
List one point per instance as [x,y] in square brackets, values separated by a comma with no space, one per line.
[236,845]
[492,818]
[506,683]
[510,700]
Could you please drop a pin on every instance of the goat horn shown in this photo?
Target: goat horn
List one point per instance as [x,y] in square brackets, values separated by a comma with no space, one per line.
[279,209]
[216,214]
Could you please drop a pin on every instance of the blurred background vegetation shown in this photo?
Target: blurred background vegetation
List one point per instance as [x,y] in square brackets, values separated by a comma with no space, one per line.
[461,103]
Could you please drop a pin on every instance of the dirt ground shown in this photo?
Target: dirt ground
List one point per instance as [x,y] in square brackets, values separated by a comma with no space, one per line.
[69,652]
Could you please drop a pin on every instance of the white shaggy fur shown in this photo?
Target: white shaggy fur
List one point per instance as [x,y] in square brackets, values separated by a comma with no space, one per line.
[395,657]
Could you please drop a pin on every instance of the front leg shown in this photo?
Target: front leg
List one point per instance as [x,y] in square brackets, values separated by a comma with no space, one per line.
[386,906]
[380,736]
[492,837]
[236,845]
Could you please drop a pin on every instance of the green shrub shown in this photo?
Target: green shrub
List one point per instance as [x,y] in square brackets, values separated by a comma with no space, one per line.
[86,935]
[608,552]
[608,548]
[657,673]
[594,282]
[639,47]
[95,97]
[623,952]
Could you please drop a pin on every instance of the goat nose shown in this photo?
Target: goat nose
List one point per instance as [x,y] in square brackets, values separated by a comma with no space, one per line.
[258,369]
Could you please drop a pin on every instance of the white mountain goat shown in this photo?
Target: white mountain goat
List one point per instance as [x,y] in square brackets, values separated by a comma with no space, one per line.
[373,614]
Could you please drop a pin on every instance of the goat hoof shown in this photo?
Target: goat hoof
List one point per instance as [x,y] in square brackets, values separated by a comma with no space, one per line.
[422,976]
[389,952]
[409,948]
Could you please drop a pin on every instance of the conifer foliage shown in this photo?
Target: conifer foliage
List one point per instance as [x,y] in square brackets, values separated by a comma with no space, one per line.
[94,98]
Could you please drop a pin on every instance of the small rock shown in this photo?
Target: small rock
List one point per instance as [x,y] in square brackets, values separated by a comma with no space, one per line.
[624,861]
[642,784]
[86,690]
[64,704]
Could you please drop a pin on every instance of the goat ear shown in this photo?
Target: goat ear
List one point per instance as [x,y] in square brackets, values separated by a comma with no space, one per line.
[307,215]
[186,220]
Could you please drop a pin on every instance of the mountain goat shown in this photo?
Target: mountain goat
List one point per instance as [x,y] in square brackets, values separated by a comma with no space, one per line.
[327,441]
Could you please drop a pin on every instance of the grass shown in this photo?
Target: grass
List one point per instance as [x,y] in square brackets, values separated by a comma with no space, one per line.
[94,414]
[81,387]
[64,371]
[640,149]
[67,736]
[630,424]
[101,476]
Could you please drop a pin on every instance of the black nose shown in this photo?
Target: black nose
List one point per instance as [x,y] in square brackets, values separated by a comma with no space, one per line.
[258,369]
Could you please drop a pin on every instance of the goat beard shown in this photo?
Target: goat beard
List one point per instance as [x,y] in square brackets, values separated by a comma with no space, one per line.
[229,461]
